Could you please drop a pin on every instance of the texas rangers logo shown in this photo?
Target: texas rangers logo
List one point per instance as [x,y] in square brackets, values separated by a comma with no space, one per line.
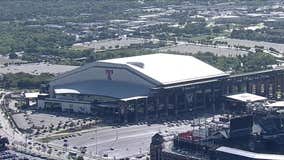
[109,74]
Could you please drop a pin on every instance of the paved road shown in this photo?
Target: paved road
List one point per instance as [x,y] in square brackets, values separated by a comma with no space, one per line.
[120,142]
[7,130]
[14,135]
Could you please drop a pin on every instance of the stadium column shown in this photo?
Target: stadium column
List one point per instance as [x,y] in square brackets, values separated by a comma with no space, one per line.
[266,86]
[258,87]
[249,87]
[227,88]
[271,89]
[239,87]
[194,98]
[187,101]
[157,105]
[118,116]
[125,116]
[232,88]
[276,87]
[203,92]
[282,85]
[263,87]
[166,104]
[213,99]
[176,104]
[224,88]
[136,109]
[146,108]
[244,86]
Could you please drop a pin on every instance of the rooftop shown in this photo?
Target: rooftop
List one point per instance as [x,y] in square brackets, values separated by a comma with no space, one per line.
[277,104]
[247,97]
[248,154]
[169,68]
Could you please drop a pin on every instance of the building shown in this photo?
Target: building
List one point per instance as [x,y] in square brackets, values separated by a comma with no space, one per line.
[152,87]
[238,103]
[241,141]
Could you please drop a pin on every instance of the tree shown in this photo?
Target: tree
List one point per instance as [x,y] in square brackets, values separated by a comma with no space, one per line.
[13,56]
[25,80]
[249,63]
[80,158]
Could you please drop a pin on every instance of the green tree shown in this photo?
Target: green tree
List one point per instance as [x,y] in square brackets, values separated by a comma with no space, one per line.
[13,56]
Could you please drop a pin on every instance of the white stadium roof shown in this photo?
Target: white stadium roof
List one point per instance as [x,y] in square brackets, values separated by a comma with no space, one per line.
[169,68]
[133,76]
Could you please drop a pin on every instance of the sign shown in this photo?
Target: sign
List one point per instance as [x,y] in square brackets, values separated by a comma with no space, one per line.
[109,73]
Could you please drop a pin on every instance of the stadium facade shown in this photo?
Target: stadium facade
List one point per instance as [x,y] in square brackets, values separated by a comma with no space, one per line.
[153,86]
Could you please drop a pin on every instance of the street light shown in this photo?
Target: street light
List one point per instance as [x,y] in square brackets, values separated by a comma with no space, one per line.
[96,134]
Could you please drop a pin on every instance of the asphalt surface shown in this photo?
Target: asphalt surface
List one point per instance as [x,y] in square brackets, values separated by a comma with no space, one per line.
[38,119]
[37,68]
[119,142]
[194,49]
[12,155]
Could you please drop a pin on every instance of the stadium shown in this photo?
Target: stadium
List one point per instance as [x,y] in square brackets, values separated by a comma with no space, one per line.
[154,86]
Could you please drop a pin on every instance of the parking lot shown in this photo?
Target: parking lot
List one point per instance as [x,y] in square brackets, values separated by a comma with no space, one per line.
[194,49]
[111,43]
[46,123]
[12,155]
[252,44]
[36,68]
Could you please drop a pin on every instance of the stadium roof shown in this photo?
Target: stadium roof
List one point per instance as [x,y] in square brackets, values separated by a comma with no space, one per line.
[134,77]
[169,68]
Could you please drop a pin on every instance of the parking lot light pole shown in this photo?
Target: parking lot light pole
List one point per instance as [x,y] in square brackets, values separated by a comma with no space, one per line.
[116,134]
[96,134]
[26,143]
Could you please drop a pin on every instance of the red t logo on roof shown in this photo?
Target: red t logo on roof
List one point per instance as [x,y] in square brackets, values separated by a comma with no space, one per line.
[109,73]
